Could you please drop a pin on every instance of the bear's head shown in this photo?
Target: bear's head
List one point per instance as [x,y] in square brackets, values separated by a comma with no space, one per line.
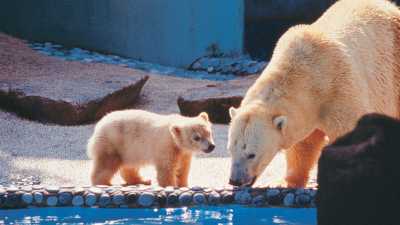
[193,133]
[257,133]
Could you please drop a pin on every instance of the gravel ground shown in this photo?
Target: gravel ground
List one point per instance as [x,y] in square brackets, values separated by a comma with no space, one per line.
[54,154]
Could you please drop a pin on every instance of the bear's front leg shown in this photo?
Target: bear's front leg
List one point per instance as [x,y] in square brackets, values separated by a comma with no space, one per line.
[166,173]
[302,157]
[183,170]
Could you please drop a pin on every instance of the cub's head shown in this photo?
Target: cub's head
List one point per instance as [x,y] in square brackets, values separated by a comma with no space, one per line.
[193,133]
[256,134]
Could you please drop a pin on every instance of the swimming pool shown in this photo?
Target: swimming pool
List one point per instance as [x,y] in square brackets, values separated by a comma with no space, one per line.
[227,215]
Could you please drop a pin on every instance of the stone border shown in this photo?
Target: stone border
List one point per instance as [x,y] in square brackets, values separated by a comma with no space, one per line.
[14,197]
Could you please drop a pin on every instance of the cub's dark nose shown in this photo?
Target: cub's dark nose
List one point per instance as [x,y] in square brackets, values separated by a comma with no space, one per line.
[235,182]
[211,147]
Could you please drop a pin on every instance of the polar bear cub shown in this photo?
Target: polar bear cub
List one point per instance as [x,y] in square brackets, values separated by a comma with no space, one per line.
[127,140]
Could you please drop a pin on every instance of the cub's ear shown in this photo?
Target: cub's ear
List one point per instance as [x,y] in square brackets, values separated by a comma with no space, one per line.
[232,112]
[280,122]
[204,116]
[175,131]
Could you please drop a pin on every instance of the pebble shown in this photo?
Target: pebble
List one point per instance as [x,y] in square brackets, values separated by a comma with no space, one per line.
[273,196]
[196,188]
[242,197]
[161,198]
[27,198]
[184,189]
[146,199]
[78,191]
[52,201]
[90,199]
[27,188]
[303,200]
[52,189]
[185,198]
[259,200]
[104,200]
[172,199]
[169,189]
[12,189]
[96,190]
[77,200]
[132,197]
[199,198]
[38,196]
[227,197]
[12,200]
[289,200]
[118,199]
[214,198]
[2,191]
[65,198]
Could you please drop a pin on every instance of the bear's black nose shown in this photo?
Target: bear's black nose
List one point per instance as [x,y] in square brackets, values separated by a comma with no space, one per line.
[235,182]
[211,147]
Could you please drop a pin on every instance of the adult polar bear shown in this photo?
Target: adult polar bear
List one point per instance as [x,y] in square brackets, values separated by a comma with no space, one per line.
[321,79]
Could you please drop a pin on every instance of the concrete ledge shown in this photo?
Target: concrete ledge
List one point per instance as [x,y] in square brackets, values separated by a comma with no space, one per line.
[215,99]
[174,32]
[148,197]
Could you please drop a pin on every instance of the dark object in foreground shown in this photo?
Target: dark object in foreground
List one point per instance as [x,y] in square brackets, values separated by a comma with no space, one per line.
[358,175]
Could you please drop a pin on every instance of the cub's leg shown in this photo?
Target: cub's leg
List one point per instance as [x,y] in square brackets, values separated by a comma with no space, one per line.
[183,170]
[166,172]
[302,157]
[132,176]
[104,168]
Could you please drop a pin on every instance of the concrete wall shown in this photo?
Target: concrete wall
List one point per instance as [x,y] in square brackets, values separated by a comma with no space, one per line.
[168,32]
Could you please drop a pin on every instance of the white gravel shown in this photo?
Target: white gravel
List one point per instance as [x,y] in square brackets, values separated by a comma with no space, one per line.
[57,155]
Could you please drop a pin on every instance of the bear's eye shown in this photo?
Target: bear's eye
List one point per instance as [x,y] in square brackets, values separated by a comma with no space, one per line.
[196,138]
[251,156]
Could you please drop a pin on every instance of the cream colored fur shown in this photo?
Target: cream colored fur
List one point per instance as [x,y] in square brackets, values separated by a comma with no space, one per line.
[130,139]
[322,78]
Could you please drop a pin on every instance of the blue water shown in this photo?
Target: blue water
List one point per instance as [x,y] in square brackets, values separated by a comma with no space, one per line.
[232,215]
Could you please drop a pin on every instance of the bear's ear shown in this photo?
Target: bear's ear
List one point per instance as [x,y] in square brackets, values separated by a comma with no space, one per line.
[204,116]
[175,131]
[280,122]
[232,112]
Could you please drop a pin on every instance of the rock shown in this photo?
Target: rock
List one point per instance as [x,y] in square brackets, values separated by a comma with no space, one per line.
[215,100]
[27,198]
[184,189]
[52,200]
[104,200]
[12,200]
[274,196]
[185,198]
[161,198]
[2,191]
[227,197]
[214,198]
[52,189]
[259,200]
[303,200]
[289,200]
[242,197]
[65,198]
[26,188]
[77,200]
[172,199]
[96,190]
[66,93]
[146,199]
[169,189]
[38,196]
[197,188]
[131,197]
[78,191]
[199,198]
[12,189]
[118,198]
[90,199]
